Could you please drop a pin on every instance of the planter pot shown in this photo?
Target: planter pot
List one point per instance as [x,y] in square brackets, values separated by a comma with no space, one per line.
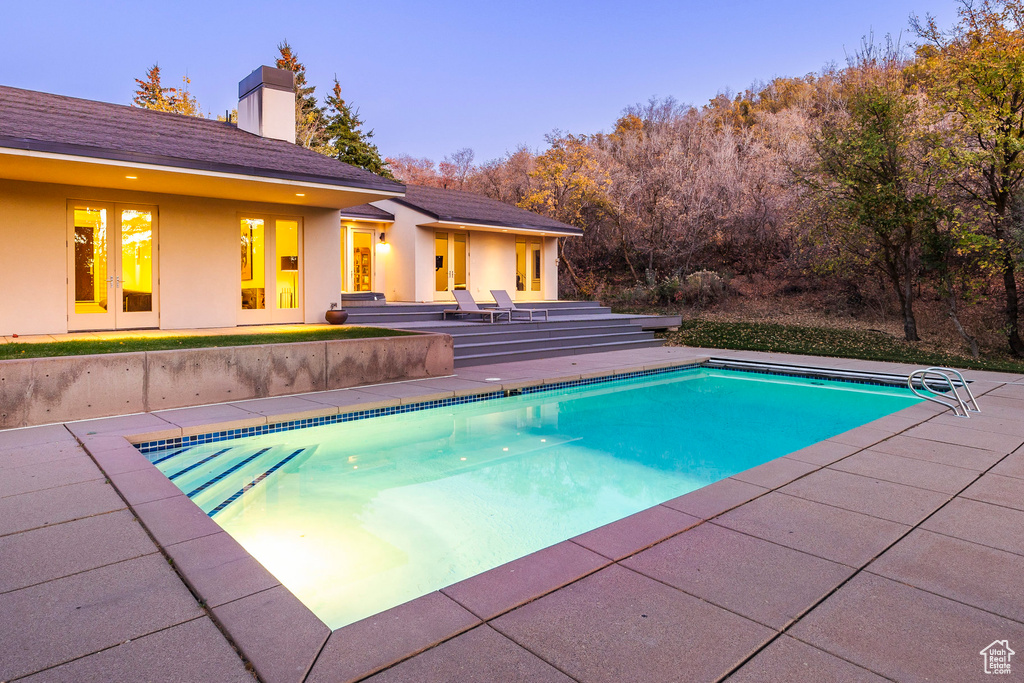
[336,317]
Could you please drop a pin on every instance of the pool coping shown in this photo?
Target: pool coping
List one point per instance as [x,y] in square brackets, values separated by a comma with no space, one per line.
[249,604]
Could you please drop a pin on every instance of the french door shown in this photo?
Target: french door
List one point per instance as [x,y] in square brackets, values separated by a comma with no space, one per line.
[271,270]
[528,268]
[113,276]
[451,263]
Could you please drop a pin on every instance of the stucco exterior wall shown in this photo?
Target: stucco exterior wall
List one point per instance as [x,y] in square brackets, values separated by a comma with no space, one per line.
[322,282]
[33,260]
[399,270]
[492,264]
[198,256]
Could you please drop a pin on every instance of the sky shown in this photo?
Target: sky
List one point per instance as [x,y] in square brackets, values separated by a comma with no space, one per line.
[433,77]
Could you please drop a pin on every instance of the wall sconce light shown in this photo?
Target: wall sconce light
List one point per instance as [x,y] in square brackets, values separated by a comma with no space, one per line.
[382,246]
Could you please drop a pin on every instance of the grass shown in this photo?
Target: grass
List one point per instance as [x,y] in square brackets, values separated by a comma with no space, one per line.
[128,344]
[820,341]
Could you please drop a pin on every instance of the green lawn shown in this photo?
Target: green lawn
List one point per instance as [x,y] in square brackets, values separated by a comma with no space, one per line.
[818,341]
[81,347]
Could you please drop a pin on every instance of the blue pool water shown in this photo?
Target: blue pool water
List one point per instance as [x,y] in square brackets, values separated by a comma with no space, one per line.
[358,517]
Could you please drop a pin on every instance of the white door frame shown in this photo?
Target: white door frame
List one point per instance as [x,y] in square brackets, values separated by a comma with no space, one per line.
[450,259]
[115,317]
[271,313]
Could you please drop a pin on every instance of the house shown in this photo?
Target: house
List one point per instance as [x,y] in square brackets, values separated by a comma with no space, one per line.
[431,241]
[115,217]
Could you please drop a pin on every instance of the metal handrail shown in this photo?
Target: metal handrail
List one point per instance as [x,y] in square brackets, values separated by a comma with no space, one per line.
[961,408]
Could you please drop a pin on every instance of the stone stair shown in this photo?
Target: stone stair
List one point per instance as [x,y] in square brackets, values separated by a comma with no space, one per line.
[573,327]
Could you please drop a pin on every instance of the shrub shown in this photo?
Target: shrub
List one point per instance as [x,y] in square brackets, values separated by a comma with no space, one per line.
[702,288]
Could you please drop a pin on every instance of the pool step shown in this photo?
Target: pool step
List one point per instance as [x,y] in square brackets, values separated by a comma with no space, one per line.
[214,477]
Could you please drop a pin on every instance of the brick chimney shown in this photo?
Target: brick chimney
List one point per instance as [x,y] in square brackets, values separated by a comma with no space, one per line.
[266,103]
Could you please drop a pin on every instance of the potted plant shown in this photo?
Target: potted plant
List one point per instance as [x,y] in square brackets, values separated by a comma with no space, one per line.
[336,316]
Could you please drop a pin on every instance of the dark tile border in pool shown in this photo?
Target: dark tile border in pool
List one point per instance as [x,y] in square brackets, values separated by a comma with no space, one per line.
[147,447]
[279,652]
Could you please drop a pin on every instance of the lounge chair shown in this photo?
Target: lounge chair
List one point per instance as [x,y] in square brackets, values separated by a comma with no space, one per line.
[503,300]
[467,306]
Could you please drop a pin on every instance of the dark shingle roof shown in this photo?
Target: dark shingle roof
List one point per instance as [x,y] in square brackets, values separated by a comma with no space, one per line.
[369,212]
[66,125]
[465,207]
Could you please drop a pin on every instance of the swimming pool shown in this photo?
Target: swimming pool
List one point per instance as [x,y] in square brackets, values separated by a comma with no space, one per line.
[360,516]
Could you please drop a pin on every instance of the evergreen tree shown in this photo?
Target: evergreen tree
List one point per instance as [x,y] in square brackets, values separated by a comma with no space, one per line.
[309,116]
[344,138]
[151,94]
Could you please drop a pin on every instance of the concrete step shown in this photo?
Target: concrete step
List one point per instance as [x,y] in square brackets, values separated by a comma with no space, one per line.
[463,349]
[552,305]
[382,317]
[483,333]
[506,357]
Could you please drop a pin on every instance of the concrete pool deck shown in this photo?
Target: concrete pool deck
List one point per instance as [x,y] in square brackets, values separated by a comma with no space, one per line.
[891,552]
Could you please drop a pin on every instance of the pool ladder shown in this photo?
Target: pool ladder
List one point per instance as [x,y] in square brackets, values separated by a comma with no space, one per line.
[941,378]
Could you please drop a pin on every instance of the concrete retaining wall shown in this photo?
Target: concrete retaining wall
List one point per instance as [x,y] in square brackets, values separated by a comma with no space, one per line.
[42,390]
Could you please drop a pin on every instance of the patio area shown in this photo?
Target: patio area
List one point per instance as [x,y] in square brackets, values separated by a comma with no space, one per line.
[890,552]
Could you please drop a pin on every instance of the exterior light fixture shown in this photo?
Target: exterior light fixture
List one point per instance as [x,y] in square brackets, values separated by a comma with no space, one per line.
[132,177]
[300,194]
[382,246]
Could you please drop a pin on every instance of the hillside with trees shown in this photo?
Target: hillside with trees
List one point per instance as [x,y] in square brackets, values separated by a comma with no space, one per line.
[885,194]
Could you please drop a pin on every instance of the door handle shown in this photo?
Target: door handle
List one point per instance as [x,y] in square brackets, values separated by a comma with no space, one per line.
[110,281]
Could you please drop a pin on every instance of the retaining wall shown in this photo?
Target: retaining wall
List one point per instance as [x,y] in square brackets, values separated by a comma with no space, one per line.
[37,391]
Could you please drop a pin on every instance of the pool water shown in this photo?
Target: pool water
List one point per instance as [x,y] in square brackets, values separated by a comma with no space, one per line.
[357,517]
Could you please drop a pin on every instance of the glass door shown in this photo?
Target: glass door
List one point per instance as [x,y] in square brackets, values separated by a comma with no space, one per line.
[136,285]
[528,268]
[451,263]
[362,261]
[112,266]
[271,270]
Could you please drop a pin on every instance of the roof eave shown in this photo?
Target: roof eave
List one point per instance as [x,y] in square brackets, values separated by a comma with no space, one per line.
[366,219]
[563,230]
[87,152]
[450,221]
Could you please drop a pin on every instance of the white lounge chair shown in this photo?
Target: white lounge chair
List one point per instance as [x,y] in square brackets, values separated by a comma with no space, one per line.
[503,300]
[468,306]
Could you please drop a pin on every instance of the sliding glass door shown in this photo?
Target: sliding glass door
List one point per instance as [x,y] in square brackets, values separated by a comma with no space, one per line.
[112,266]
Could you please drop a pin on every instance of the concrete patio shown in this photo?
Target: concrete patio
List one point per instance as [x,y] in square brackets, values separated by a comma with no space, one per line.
[890,552]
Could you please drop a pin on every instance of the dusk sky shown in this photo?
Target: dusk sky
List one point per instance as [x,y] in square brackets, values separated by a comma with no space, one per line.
[433,77]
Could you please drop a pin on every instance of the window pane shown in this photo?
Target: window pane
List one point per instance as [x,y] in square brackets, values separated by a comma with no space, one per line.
[287,264]
[459,262]
[441,262]
[90,260]
[137,260]
[535,276]
[362,262]
[253,275]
